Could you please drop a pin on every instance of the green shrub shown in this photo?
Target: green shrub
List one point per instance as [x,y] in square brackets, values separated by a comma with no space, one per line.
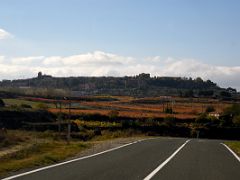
[86,135]
[42,106]
[113,114]
[135,123]
[169,121]
[230,115]
[2,104]
[232,110]
[126,124]
[27,106]
[97,131]
[236,120]
[15,107]
[202,118]
[214,119]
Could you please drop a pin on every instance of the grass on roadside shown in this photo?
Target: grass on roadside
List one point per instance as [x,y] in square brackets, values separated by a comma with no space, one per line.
[40,154]
[43,148]
[11,138]
[106,135]
[235,146]
[18,137]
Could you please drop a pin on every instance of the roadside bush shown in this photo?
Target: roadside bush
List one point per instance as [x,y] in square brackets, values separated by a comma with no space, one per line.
[230,116]
[236,120]
[42,106]
[2,104]
[113,114]
[27,106]
[8,139]
[15,107]
[130,124]
[214,120]
[97,131]
[232,110]
[202,118]
[226,121]
[135,123]
[194,133]
[169,121]
[86,135]
[149,121]
[126,124]
[2,134]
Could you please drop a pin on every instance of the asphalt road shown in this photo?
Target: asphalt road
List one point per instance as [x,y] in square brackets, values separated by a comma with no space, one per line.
[202,160]
[197,159]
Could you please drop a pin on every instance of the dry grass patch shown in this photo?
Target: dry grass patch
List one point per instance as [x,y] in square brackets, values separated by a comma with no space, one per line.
[235,146]
[39,155]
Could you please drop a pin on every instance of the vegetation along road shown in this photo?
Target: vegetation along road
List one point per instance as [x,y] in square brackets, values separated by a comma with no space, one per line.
[158,158]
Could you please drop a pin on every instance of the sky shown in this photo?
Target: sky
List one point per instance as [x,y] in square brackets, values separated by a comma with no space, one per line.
[187,38]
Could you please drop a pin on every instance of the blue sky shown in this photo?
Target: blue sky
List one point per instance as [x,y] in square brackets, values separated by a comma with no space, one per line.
[206,32]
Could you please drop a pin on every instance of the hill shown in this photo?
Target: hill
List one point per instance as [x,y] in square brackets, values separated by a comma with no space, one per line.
[140,85]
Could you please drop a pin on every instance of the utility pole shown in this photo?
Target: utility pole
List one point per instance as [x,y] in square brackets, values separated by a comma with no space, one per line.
[68,121]
[60,116]
[163,103]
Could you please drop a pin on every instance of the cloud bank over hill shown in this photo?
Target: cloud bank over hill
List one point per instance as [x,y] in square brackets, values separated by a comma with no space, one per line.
[100,63]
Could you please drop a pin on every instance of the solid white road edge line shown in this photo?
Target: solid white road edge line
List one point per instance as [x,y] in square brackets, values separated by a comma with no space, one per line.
[233,153]
[165,162]
[73,160]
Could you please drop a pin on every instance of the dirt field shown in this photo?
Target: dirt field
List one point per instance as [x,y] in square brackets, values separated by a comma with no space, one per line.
[183,108]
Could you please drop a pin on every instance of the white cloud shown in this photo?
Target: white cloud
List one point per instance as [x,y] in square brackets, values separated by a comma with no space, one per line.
[156,59]
[91,59]
[32,60]
[2,58]
[54,61]
[100,63]
[4,34]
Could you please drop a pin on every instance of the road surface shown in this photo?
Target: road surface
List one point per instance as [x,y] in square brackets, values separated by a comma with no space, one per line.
[160,158]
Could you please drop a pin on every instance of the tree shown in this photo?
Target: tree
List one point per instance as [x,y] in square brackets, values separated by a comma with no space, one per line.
[233,110]
[231,90]
[202,119]
[209,109]
[170,121]
[225,94]
[189,93]
[236,120]
[230,115]
[198,79]
[206,93]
